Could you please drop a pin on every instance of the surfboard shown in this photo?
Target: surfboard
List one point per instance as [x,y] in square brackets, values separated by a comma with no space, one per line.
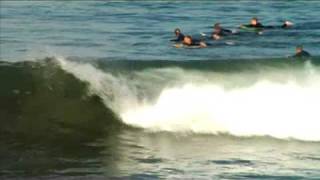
[228,42]
[186,47]
[250,29]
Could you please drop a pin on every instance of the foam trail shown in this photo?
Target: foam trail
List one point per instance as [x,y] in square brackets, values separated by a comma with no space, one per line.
[284,109]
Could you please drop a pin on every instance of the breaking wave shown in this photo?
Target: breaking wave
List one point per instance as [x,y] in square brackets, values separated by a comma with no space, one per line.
[277,98]
[246,100]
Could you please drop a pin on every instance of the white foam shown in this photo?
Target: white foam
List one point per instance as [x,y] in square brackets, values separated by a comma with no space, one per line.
[283,109]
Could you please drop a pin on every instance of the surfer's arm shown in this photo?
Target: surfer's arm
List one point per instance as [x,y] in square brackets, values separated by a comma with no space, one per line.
[178,45]
[242,26]
[174,40]
[202,44]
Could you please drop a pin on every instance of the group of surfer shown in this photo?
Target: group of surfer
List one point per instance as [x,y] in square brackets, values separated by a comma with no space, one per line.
[220,32]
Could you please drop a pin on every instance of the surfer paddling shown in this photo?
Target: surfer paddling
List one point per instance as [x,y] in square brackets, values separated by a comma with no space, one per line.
[301,53]
[255,23]
[188,41]
[219,32]
[179,35]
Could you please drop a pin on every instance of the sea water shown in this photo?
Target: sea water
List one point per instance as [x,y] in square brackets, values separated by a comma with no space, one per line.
[96,90]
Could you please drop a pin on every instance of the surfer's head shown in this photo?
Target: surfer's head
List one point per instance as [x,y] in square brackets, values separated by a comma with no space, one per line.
[217,28]
[254,21]
[187,40]
[177,31]
[299,49]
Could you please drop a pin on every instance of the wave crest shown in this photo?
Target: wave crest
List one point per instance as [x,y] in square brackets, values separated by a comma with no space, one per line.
[276,102]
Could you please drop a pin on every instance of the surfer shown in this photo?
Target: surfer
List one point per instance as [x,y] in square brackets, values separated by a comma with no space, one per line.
[218,32]
[179,35]
[190,42]
[301,53]
[255,23]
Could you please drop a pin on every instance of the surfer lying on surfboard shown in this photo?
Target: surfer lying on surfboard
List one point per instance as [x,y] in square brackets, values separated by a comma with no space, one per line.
[188,41]
[219,32]
[254,23]
[179,35]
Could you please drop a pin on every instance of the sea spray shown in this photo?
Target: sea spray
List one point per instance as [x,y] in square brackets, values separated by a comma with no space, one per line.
[113,90]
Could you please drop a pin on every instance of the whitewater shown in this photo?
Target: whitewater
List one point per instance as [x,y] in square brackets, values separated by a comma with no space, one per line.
[279,105]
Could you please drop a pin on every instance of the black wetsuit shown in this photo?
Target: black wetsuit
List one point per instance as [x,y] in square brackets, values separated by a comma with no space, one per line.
[179,38]
[226,31]
[302,54]
[259,25]
[284,26]
[195,43]
[223,32]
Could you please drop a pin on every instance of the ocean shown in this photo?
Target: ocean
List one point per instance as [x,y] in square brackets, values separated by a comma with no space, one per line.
[96,90]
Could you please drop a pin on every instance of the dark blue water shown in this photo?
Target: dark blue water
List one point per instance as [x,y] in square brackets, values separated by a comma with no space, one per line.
[77,102]
[142,29]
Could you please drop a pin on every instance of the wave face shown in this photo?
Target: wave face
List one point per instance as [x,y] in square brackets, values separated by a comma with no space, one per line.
[244,99]
[41,102]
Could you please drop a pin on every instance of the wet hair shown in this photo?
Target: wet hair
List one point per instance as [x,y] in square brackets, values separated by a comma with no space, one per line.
[177,30]
[188,37]
[255,18]
[216,25]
